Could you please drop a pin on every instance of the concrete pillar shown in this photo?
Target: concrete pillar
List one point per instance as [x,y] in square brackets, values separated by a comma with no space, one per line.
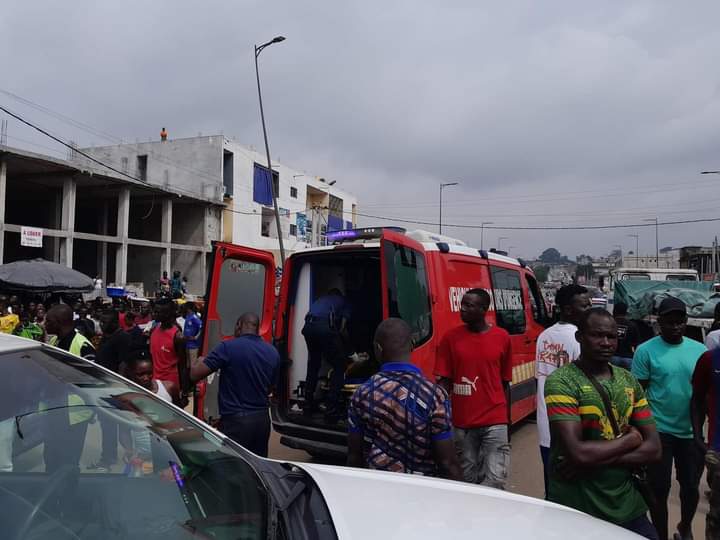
[103,252]
[67,221]
[3,191]
[206,243]
[166,236]
[123,222]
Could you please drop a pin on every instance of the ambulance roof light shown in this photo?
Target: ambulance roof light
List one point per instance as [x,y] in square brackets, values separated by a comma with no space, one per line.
[367,233]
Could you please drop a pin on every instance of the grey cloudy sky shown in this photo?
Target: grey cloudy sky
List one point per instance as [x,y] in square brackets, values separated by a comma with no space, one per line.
[547,113]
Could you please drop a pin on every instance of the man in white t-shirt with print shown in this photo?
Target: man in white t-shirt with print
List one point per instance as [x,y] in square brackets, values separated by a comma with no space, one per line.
[557,346]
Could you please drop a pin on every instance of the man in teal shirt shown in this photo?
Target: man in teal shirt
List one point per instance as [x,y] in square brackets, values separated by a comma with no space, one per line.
[664,366]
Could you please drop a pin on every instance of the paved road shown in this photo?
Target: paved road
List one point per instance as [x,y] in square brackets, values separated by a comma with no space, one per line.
[526,472]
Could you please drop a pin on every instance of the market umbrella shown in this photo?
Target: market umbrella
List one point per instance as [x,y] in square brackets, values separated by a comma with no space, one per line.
[39,275]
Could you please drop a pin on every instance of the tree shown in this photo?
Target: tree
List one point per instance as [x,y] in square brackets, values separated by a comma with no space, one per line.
[550,256]
[541,272]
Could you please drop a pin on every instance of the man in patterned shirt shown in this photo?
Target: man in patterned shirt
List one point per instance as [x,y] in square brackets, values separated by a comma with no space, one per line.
[590,464]
[398,420]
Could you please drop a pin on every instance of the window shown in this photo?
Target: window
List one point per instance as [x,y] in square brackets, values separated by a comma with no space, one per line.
[124,162]
[537,303]
[184,481]
[293,229]
[635,277]
[335,207]
[142,163]
[507,296]
[262,190]
[242,290]
[228,178]
[293,192]
[408,291]
[680,277]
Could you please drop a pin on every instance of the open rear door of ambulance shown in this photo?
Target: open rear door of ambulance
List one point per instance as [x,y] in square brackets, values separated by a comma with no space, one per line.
[406,292]
[240,280]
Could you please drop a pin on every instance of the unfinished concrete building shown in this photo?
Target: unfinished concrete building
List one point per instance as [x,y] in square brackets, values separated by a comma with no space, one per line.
[117,226]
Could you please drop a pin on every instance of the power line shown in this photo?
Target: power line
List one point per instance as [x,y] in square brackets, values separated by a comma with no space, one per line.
[528,228]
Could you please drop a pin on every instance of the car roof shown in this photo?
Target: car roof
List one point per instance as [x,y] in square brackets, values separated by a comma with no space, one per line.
[9,343]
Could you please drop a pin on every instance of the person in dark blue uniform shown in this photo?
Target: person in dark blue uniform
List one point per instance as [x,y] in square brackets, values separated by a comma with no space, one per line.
[325,324]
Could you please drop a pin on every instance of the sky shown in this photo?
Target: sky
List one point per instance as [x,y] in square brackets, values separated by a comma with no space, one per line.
[547,114]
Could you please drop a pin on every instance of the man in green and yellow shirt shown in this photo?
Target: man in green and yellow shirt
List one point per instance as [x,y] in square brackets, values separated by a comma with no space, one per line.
[590,465]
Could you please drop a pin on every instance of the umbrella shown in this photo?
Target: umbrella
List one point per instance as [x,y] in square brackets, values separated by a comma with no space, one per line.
[39,275]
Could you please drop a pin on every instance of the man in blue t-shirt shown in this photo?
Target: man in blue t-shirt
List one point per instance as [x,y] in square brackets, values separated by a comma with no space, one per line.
[664,366]
[249,370]
[191,331]
[325,324]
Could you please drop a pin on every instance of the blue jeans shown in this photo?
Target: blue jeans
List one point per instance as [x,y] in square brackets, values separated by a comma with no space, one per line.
[484,454]
[642,526]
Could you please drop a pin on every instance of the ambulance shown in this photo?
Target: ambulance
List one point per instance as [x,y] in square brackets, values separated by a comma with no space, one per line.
[383,272]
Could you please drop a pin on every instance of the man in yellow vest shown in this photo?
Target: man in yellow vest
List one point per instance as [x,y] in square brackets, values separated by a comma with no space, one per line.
[66,432]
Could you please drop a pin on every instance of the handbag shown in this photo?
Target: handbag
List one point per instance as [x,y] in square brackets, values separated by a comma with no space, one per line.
[639,474]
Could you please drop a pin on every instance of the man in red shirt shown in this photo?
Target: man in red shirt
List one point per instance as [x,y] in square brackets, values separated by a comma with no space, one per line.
[474,364]
[167,348]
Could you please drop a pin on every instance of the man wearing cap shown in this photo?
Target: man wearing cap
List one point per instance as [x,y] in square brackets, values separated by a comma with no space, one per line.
[664,366]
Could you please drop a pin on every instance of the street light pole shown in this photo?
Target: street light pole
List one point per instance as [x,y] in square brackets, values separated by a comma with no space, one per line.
[637,245]
[657,243]
[500,239]
[482,231]
[442,186]
[258,50]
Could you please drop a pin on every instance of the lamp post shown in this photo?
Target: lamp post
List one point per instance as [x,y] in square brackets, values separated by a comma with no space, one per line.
[443,185]
[637,245]
[258,50]
[657,243]
[500,239]
[482,230]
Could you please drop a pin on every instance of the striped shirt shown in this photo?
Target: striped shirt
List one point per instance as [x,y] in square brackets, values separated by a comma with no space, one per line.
[607,492]
[400,413]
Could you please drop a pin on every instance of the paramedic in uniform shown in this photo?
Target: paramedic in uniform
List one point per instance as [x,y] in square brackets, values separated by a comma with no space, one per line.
[325,324]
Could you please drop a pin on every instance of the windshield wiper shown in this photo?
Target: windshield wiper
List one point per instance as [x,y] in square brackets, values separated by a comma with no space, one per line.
[19,417]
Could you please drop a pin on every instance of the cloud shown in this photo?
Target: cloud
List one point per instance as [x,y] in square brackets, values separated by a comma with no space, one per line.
[521,102]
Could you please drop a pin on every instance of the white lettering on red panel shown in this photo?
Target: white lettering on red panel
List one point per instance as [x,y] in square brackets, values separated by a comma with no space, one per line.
[456,294]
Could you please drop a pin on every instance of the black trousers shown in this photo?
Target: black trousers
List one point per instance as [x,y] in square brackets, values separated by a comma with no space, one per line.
[687,459]
[321,342]
[251,431]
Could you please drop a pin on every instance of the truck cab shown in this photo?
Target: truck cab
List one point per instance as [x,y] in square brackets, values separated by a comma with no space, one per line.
[382,272]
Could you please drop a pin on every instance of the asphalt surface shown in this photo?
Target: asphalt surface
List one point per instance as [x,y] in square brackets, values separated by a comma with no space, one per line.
[525,473]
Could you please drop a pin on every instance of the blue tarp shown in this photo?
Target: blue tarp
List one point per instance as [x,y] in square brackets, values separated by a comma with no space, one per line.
[348,225]
[262,191]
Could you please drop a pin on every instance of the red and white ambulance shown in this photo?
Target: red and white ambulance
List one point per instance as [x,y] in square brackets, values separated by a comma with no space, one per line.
[384,272]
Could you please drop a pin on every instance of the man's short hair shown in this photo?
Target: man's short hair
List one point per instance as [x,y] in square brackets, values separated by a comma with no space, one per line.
[620,308]
[565,294]
[592,312]
[482,294]
[190,306]
[394,335]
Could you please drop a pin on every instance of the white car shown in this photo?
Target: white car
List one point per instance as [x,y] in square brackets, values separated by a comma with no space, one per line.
[178,478]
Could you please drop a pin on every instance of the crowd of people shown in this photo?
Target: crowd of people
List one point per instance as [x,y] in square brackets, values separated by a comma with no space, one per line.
[615,413]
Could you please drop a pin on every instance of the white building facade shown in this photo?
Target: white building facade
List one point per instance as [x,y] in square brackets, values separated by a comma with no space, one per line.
[217,168]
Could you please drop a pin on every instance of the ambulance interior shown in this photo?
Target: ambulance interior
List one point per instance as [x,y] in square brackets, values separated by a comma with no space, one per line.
[356,273]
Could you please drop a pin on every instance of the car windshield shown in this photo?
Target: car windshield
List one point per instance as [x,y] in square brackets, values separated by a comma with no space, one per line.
[169,478]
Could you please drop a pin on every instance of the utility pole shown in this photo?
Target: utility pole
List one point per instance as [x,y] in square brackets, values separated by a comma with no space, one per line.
[657,243]
[482,231]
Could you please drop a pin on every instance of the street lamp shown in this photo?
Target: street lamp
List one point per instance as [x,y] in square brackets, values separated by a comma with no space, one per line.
[482,230]
[442,186]
[500,239]
[657,244]
[258,50]
[637,245]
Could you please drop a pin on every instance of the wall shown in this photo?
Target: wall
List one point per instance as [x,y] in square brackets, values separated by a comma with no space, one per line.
[192,166]
[246,214]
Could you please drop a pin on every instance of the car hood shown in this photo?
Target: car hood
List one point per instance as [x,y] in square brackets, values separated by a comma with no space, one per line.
[373,504]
